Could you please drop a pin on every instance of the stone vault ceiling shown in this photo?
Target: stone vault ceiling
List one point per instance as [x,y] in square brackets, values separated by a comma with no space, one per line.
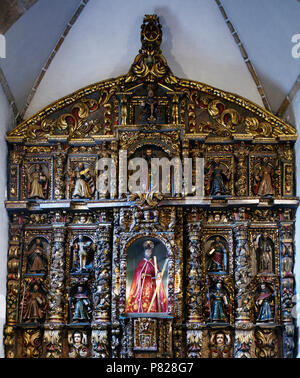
[36,29]
[11,11]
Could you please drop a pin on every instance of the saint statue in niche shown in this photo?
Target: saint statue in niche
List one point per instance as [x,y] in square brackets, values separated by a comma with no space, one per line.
[37,260]
[264,253]
[216,254]
[33,305]
[264,302]
[38,182]
[153,179]
[218,304]
[146,292]
[84,185]
[80,306]
[263,179]
[82,251]
[217,177]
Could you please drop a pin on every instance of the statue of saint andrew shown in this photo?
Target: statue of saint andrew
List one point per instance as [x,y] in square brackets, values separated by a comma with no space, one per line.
[147,293]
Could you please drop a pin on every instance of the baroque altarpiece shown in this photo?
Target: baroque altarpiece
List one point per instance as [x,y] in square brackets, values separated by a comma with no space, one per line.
[99,273]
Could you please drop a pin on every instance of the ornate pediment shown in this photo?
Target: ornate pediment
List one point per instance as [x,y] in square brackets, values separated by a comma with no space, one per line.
[150,65]
[95,113]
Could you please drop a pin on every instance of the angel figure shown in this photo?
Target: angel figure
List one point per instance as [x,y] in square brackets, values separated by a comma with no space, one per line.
[263,179]
[216,179]
[84,182]
[38,183]
[220,345]
[78,345]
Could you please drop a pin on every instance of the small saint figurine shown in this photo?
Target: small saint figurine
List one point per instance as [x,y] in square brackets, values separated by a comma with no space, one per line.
[216,256]
[38,183]
[264,253]
[218,302]
[81,306]
[264,302]
[33,306]
[84,182]
[216,180]
[263,179]
[37,259]
[81,251]
[78,345]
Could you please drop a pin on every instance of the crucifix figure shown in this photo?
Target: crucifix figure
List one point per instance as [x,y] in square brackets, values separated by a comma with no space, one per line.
[81,249]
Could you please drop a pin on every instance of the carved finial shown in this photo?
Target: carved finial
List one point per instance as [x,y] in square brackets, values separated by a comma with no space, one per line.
[150,65]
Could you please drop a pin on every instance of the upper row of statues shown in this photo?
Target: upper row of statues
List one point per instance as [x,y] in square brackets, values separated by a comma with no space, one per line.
[217,180]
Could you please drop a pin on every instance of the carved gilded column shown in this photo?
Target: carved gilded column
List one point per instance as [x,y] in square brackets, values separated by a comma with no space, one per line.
[14,174]
[59,182]
[194,298]
[114,156]
[288,312]
[242,275]
[164,347]
[13,276]
[241,183]
[177,326]
[115,287]
[126,345]
[56,300]
[102,294]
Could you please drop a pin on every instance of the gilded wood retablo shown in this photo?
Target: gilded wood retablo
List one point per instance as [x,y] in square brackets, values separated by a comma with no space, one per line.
[97,269]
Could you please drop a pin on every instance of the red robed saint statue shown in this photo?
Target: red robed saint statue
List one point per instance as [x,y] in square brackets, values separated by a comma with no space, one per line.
[147,293]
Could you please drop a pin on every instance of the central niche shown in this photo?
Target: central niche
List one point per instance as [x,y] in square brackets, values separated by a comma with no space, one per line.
[159,174]
[147,277]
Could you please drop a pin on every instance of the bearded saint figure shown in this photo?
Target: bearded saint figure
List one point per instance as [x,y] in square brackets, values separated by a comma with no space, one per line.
[147,293]
[216,256]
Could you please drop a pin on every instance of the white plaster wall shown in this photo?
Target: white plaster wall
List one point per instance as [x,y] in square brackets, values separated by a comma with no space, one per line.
[266,28]
[106,38]
[30,41]
[5,120]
